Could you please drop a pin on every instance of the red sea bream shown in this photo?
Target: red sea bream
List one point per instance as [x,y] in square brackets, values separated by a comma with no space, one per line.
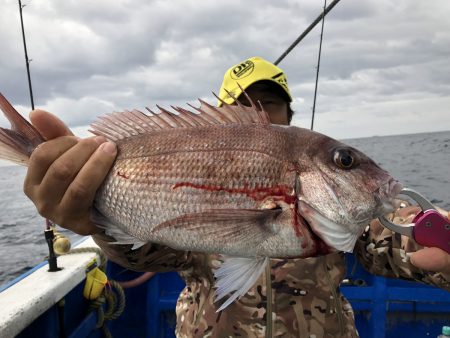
[225,180]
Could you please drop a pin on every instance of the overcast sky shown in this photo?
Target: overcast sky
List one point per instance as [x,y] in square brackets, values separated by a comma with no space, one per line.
[385,63]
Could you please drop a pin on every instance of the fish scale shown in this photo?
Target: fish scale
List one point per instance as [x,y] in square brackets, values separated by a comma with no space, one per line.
[246,168]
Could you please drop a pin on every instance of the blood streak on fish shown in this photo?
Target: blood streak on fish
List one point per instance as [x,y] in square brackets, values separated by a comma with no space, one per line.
[277,193]
[123,175]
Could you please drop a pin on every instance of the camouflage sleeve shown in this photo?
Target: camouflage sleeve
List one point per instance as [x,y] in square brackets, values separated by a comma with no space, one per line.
[150,257]
[384,253]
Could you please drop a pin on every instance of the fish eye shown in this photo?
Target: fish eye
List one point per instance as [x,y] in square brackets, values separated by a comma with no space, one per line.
[345,158]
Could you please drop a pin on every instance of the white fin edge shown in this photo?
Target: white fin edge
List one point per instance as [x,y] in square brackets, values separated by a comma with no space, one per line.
[237,275]
[334,235]
[115,231]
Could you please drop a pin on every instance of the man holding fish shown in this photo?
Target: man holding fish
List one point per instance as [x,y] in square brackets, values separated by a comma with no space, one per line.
[283,261]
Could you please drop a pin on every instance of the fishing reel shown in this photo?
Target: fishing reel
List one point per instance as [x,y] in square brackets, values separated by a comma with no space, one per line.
[61,244]
[58,244]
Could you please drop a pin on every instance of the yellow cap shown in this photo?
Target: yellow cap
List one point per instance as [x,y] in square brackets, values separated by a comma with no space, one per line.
[248,72]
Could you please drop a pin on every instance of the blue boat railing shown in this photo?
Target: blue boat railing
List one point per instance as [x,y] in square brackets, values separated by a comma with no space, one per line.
[387,307]
[383,308]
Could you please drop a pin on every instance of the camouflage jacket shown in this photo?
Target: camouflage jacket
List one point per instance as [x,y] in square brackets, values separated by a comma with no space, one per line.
[294,298]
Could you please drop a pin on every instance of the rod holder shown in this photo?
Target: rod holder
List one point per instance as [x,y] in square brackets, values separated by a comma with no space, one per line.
[52,258]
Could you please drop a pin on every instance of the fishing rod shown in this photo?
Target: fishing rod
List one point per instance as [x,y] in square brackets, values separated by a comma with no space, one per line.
[27,60]
[317,68]
[307,30]
[49,232]
[326,10]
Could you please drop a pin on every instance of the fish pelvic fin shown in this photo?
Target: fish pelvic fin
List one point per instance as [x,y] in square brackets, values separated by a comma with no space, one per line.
[114,230]
[236,276]
[121,125]
[17,143]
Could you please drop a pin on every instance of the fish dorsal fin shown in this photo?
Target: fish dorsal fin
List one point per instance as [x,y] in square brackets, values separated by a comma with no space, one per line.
[120,125]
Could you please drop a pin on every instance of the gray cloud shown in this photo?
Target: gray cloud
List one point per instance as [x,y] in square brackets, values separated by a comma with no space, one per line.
[382,61]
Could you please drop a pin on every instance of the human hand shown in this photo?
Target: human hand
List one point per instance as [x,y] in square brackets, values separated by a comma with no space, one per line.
[432,259]
[65,172]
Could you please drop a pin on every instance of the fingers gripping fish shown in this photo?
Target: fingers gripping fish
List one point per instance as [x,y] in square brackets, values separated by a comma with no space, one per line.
[224,180]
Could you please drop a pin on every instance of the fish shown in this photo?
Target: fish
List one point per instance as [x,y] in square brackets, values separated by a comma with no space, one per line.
[225,180]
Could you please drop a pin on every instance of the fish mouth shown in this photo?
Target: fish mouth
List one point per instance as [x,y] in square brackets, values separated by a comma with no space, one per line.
[385,197]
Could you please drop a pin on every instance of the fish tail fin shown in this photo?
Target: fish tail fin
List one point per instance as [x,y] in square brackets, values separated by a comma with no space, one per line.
[17,143]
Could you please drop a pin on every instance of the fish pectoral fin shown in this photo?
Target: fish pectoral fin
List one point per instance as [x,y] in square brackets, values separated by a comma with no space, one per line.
[225,222]
[236,276]
[114,230]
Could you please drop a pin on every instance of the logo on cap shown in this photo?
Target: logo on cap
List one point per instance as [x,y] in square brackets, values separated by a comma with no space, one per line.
[242,70]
